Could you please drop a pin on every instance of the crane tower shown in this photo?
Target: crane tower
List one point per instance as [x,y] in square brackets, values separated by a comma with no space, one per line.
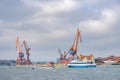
[20,60]
[72,50]
[27,52]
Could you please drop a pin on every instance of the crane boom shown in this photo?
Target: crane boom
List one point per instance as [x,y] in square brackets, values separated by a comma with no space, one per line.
[18,46]
[78,35]
[73,49]
[26,47]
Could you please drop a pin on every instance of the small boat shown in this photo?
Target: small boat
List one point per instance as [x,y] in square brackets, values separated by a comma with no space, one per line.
[77,63]
[117,63]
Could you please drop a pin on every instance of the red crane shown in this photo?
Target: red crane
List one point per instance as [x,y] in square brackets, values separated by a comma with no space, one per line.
[20,59]
[27,52]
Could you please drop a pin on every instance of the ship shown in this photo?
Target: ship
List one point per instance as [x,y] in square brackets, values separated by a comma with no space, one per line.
[77,63]
[82,62]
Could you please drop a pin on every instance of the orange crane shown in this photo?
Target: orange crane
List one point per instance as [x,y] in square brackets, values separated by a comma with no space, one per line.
[20,59]
[27,52]
[73,49]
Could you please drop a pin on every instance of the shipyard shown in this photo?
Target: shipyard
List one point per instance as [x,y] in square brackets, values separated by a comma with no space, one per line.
[64,58]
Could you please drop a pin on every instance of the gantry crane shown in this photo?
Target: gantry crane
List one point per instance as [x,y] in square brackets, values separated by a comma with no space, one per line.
[27,52]
[20,59]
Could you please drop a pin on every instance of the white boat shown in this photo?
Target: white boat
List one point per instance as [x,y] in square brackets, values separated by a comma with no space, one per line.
[109,62]
[77,63]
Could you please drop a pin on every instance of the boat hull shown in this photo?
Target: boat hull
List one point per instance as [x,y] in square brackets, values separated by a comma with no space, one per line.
[81,65]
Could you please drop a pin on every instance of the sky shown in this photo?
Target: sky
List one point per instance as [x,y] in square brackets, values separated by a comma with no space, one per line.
[49,25]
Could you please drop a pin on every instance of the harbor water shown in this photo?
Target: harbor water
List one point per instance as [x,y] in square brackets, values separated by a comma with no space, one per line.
[102,72]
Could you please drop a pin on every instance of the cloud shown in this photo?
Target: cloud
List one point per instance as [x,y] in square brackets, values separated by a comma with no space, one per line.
[103,24]
[49,12]
[50,7]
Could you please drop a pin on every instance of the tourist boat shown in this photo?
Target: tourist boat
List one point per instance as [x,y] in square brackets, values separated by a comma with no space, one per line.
[77,63]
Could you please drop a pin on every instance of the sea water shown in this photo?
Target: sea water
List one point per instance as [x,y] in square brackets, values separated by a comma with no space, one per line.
[106,72]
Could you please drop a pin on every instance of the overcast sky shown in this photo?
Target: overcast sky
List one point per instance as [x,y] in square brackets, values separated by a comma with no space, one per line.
[49,25]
